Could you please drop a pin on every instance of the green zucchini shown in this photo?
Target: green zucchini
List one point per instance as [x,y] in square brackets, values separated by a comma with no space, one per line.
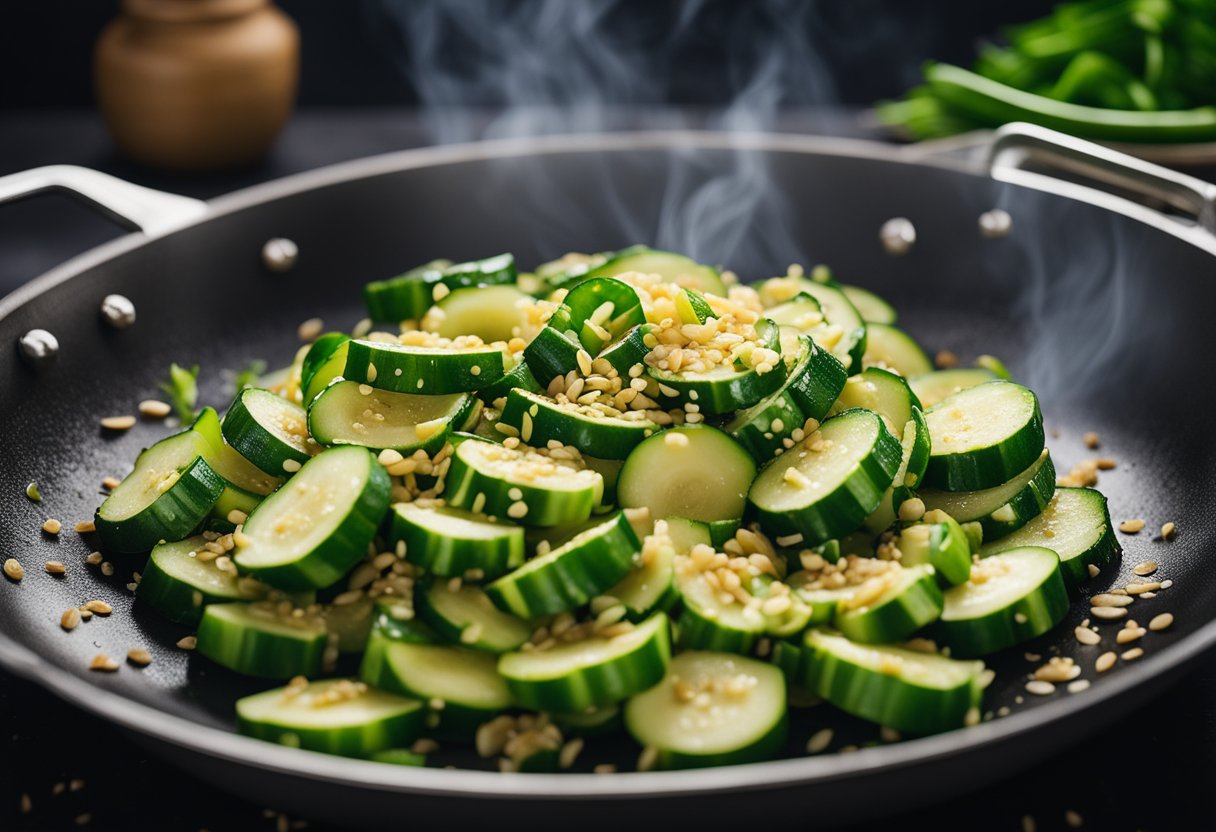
[983,436]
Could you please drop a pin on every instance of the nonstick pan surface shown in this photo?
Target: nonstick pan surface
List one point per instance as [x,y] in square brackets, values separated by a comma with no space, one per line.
[1107,317]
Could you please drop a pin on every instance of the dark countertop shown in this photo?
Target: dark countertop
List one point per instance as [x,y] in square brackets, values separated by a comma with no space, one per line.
[1146,772]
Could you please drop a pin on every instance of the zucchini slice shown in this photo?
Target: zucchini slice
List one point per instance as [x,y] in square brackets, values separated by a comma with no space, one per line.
[540,419]
[255,640]
[595,314]
[492,313]
[826,485]
[309,533]
[177,584]
[425,370]
[808,392]
[590,672]
[908,690]
[909,600]
[466,615]
[650,585]
[350,413]
[461,686]
[694,471]
[673,268]
[518,376]
[1075,525]
[911,471]
[1003,509]
[711,709]
[1011,597]
[983,436]
[882,391]
[932,387]
[170,491]
[872,308]
[241,475]
[324,361]
[269,431]
[726,387]
[570,575]
[408,296]
[521,484]
[334,716]
[893,349]
[450,542]
[845,333]
[941,542]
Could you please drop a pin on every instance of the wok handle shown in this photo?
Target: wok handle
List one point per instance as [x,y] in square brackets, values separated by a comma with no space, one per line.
[1021,151]
[134,206]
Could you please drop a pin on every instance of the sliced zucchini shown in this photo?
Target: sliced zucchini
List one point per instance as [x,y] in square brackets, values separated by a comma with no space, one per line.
[610,470]
[424,370]
[309,533]
[465,615]
[908,690]
[594,315]
[450,542]
[242,476]
[873,309]
[941,542]
[518,376]
[823,603]
[844,334]
[885,393]
[726,387]
[591,672]
[808,392]
[650,585]
[1011,597]
[461,686]
[910,600]
[1075,525]
[540,419]
[408,296]
[492,313]
[694,471]
[685,533]
[170,491]
[350,413]
[592,722]
[826,485]
[570,575]
[932,387]
[269,431]
[692,307]
[334,716]
[911,471]
[1003,509]
[711,620]
[255,640]
[711,709]
[324,361]
[893,349]
[983,436]
[673,268]
[521,484]
[177,584]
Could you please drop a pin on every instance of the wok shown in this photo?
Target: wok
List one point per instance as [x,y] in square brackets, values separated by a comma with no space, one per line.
[1099,297]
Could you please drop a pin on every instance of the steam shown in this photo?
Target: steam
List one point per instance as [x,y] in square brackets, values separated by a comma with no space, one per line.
[538,67]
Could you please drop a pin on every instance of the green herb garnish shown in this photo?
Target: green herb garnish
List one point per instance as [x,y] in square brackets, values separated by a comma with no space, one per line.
[249,376]
[182,390]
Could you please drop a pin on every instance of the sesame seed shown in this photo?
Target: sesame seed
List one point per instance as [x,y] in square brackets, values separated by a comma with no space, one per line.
[85,527]
[1129,634]
[118,422]
[1028,824]
[605,768]
[13,570]
[648,758]
[1078,685]
[517,510]
[1108,613]
[139,657]
[236,517]
[1040,687]
[1161,622]
[1167,583]
[1168,530]
[570,752]
[52,526]
[154,409]
[107,568]
[69,619]
[55,567]
[584,362]
[1132,655]
[1093,569]
[110,483]
[819,741]
[911,509]
[1087,636]
[675,440]
[1091,440]
[32,492]
[1143,588]
[310,329]
[945,360]
[1111,599]
[1131,526]
[1105,662]
[187,642]
[1073,819]
[426,745]
[103,663]
[1147,567]
[291,466]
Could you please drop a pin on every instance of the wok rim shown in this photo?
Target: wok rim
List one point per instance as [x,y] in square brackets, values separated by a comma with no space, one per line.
[466,783]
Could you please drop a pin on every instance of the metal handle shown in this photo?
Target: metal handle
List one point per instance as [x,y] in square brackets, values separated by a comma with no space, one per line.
[1024,154]
[151,211]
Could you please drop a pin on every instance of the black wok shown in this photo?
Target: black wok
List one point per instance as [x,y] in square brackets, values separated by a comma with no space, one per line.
[1099,302]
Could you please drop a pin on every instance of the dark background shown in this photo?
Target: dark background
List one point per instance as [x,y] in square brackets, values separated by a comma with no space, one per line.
[362,92]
